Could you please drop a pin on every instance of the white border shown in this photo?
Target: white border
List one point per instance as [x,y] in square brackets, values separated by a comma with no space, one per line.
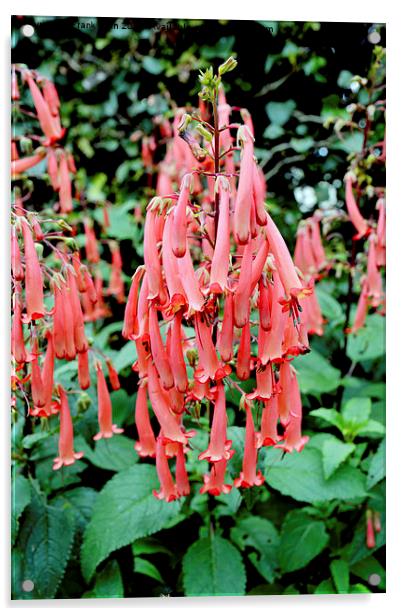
[306,10]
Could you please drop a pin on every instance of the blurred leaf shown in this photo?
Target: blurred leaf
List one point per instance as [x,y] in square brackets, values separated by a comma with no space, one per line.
[301,476]
[125,357]
[149,545]
[153,65]
[212,566]
[302,539]
[315,373]
[334,452]
[376,470]
[273,131]
[279,113]
[147,568]
[351,143]
[340,574]
[108,583]
[345,79]
[125,510]
[302,145]
[325,587]
[81,501]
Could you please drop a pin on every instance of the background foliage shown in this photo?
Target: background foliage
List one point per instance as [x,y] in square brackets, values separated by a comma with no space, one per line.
[94,529]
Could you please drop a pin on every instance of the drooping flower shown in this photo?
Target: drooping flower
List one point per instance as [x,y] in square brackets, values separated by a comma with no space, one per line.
[370,535]
[18,349]
[146,445]
[176,291]
[362,308]
[83,370]
[374,280]
[355,216]
[243,354]
[116,283]
[179,226]
[16,264]
[268,434]
[219,447]
[51,97]
[242,292]
[131,327]
[182,482]
[113,375]
[221,256]
[151,259]
[106,425]
[225,338]
[33,277]
[80,340]
[293,439]
[49,125]
[167,491]
[65,198]
[159,354]
[244,195]
[214,482]
[175,354]
[249,475]
[27,162]
[66,456]
[91,244]
[209,366]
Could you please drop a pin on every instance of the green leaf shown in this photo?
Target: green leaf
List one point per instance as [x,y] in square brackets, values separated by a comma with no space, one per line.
[153,65]
[273,131]
[373,429]
[126,356]
[367,567]
[108,584]
[330,307]
[302,539]
[147,568]
[368,342]
[125,511]
[344,79]
[258,533]
[329,415]
[279,113]
[350,143]
[21,497]
[115,454]
[356,411]
[316,375]
[212,566]
[301,476]
[302,145]
[47,538]
[325,587]
[340,574]
[149,545]
[334,452]
[376,470]
[81,501]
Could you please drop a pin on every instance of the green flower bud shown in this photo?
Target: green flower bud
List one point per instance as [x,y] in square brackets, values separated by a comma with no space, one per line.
[227,66]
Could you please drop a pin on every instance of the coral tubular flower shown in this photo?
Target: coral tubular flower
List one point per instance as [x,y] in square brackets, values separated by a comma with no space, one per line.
[47,374]
[374,280]
[51,97]
[249,475]
[90,289]
[171,429]
[146,445]
[151,259]
[23,164]
[191,286]
[33,277]
[91,245]
[265,383]
[268,434]
[286,269]
[80,340]
[16,265]
[83,370]
[259,263]
[179,226]
[66,456]
[182,482]
[220,260]
[116,283]
[242,292]
[219,447]
[48,123]
[245,189]
[107,428]
[243,354]
[259,190]
[176,357]
[131,327]
[360,224]
[167,491]
[362,308]
[316,243]
[293,440]
[158,351]
[65,199]
[176,291]
[370,535]
[214,482]
[264,304]
[225,339]
[270,342]
[113,375]
[18,349]
[15,93]
[209,366]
